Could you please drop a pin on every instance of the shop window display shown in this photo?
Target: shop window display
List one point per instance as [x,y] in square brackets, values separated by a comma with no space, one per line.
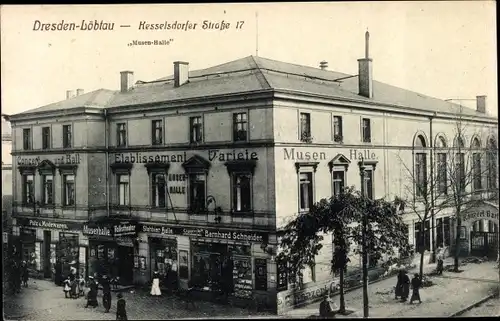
[68,252]
[164,259]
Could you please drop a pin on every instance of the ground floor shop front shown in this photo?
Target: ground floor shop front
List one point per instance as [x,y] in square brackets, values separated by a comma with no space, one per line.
[237,263]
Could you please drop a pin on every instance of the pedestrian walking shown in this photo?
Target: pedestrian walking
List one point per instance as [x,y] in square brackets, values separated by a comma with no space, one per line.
[25,273]
[121,308]
[405,284]
[399,285]
[440,261]
[17,277]
[416,283]
[155,286]
[67,287]
[106,293]
[58,273]
[92,295]
[188,294]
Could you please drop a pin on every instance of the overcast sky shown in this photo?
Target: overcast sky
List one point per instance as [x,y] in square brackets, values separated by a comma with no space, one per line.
[441,49]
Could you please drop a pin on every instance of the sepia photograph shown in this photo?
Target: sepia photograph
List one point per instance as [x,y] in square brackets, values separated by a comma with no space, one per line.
[250,160]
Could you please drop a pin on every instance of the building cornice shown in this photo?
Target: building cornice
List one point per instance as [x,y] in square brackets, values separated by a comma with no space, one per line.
[78,111]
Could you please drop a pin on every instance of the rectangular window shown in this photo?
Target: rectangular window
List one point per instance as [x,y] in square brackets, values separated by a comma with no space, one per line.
[69,190]
[67,136]
[476,171]
[338,181]
[369,183]
[242,192]
[121,134]
[197,187]
[460,172]
[240,127]
[492,170]
[422,236]
[337,129]
[366,130]
[159,190]
[306,191]
[48,189]
[123,189]
[421,174]
[446,231]
[305,127]
[27,138]
[28,189]
[157,132]
[439,232]
[442,176]
[196,129]
[45,137]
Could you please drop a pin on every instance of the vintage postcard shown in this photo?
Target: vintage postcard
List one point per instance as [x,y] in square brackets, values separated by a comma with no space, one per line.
[250,160]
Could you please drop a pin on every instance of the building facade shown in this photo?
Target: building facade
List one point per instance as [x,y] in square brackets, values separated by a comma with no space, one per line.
[194,175]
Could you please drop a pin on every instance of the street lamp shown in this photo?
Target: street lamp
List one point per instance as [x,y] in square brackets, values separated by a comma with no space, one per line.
[363,241]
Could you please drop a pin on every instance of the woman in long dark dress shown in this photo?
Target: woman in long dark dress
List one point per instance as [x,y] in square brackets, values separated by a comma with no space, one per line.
[405,283]
[416,284]
[92,295]
[399,289]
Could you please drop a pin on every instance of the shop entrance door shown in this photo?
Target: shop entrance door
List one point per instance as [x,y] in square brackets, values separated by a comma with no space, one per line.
[126,264]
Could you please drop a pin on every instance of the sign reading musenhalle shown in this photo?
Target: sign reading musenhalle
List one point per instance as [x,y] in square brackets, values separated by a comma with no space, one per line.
[117,230]
[244,236]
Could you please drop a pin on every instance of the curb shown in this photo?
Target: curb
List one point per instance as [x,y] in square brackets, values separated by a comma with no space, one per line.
[486,298]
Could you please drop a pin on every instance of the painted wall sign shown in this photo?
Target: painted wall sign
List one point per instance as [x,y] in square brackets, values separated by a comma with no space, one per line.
[213,155]
[68,159]
[478,215]
[118,230]
[177,179]
[359,154]
[255,237]
[122,230]
[48,224]
[297,155]
[98,231]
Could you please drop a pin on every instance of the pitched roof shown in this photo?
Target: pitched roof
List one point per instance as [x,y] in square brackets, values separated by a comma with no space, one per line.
[256,73]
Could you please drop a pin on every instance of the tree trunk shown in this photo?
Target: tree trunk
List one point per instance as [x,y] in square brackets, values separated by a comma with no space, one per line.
[457,243]
[342,299]
[422,252]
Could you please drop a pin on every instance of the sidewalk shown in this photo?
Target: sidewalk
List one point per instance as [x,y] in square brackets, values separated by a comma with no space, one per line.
[450,293]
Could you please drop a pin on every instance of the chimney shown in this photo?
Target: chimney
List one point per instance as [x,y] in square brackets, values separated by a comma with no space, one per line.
[126,80]
[481,104]
[323,65]
[69,94]
[181,73]
[79,92]
[365,72]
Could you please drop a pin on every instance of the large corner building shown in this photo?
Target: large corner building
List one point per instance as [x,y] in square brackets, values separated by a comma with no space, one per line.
[196,173]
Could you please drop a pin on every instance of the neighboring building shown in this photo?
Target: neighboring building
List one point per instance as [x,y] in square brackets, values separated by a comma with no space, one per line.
[201,169]
[6,171]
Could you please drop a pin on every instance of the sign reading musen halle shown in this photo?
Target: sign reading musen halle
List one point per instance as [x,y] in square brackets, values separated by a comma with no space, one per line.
[112,231]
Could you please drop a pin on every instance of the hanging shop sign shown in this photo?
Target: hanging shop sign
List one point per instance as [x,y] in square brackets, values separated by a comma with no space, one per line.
[110,230]
[46,224]
[253,237]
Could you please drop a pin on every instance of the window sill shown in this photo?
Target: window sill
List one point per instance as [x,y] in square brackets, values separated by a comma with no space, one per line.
[67,207]
[240,141]
[47,206]
[242,213]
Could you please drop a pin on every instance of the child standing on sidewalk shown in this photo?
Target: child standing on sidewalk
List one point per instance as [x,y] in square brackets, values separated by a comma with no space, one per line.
[416,284]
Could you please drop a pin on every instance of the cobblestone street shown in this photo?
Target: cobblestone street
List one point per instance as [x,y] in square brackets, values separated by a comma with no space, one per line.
[42,300]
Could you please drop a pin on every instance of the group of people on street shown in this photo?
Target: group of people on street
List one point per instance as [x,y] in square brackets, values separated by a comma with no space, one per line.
[18,275]
[403,287]
[93,285]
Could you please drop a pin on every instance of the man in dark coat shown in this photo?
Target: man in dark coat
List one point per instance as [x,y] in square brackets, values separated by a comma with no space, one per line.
[25,274]
[405,283]
[416,284]
[121,311]
[106,293]
[399,289]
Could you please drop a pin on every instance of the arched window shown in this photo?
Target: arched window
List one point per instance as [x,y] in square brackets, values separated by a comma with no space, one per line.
[441,142]
[419,141]
[475,143]
[459,142]
[477,175]
[420,167]
[491,163]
